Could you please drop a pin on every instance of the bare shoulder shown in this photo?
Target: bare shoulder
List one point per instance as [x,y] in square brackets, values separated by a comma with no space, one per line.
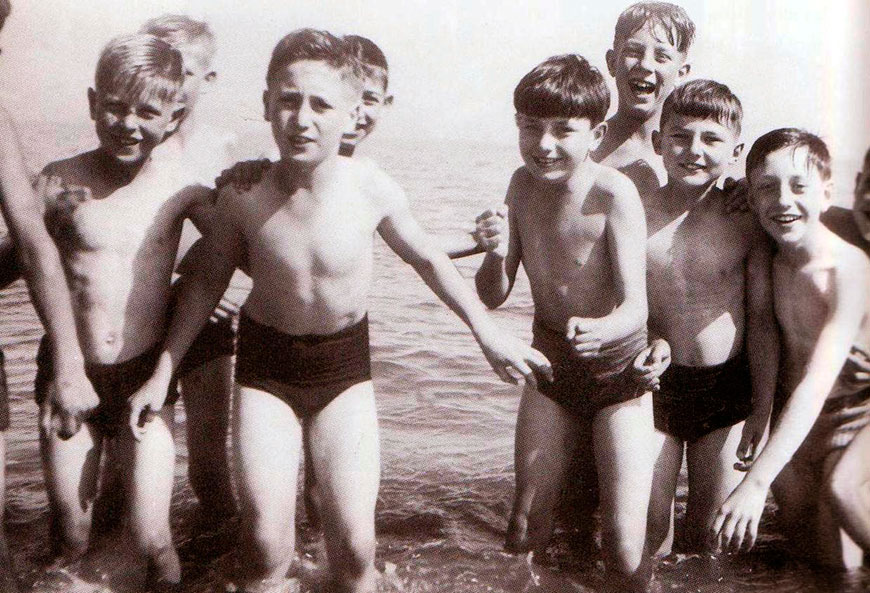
[382,191]
[521,186]
[851,263]
[616,188]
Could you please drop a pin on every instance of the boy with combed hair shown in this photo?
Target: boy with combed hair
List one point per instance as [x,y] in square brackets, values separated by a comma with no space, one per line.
[819,449]
[578,229]
[375,89]
[710,312]
[303,365]
[118,246]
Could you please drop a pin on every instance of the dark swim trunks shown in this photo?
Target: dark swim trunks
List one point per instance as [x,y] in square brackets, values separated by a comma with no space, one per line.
[694,401]
[216,340]
[584,387]
[114,383]
[307,372]
[4,395]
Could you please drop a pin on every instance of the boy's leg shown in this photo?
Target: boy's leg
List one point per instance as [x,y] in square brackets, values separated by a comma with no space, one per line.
[712,478]
[150,464]
[109,506]
[7,571]
[206,391]
[71,469]
[667,452]
[267,440]
[545,441]
[345,454]
[623,440]
[312,499]
[849,489]
[796,491]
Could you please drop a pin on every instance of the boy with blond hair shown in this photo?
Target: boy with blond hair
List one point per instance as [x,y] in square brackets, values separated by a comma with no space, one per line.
[118,247]
[578,229]
[819,448]
[710,311]
[303,364]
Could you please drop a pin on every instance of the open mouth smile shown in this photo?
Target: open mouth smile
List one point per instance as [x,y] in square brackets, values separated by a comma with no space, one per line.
[785,218]
[642,87]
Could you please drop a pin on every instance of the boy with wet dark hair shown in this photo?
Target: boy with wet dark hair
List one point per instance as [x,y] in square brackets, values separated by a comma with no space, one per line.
[817,459]
[710,313]
[305,231]
[578,229]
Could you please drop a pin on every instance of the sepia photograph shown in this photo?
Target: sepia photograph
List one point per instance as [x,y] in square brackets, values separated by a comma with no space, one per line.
[450,297]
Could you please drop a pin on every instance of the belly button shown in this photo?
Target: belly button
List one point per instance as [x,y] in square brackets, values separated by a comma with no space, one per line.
[110,339]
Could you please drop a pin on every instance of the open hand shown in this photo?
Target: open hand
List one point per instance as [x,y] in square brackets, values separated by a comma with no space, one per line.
[491,230]
[736,195]
[735,525]
[651,363]
[508,355]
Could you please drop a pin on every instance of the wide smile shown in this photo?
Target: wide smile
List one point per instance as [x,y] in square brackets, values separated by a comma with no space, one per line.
[693,167]
[299,141]
[126,141]
[546,162]
[642,88]
[785,219]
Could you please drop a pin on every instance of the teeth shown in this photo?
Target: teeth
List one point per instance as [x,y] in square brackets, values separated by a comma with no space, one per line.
[692,166]
[643,86]
[786,218]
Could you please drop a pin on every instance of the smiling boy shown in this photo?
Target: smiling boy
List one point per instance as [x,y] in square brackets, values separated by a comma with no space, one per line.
[819,448]
[710,309]
[303,365]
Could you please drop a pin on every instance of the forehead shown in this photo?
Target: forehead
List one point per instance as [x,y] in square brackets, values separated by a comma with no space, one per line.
[195,55]
[696,123]
[788,161]
[575,122]
[146,97]
[312,76]
[652,34]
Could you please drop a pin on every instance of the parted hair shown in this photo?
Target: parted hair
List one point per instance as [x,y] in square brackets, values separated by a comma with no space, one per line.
[563,86]
[794,138]
[672,19]
[320,46]
[370,56]
[705,99]
[140,66]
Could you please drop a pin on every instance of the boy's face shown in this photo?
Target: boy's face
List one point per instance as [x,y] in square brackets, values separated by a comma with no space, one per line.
[553,147]
[861,206]
[310,107]
[374,99]
[128,129]
[197,72]
[646,68]
[788,194]
[696,151]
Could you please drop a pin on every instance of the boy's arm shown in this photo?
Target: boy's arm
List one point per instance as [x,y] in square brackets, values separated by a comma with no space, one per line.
[10,267]
[459,246]
[73,394]
[201,289]
[497,273]
[762,345]
[410,242]
[739,515]
[626,241]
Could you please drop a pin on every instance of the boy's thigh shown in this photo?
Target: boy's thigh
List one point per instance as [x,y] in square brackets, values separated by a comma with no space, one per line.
[710,462]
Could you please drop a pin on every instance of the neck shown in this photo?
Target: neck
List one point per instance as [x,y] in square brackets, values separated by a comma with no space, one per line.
[687,196]
[117,171]
[630,125]
[293,175]
[813,246]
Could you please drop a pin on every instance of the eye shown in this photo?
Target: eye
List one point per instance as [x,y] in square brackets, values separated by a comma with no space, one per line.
[662,57]
[320,105]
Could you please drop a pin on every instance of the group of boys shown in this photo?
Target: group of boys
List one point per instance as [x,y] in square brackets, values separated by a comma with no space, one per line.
[657,327]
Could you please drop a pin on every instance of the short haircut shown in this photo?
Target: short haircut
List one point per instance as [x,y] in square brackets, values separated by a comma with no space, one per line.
[794,138]
[140,67]
[5,9]
[672,19]
[319,46]
[563,86]
[704,99]
[180,29]
[373,60]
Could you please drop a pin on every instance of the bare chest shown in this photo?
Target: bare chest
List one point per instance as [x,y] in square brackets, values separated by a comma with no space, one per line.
[802,301]
[564,236]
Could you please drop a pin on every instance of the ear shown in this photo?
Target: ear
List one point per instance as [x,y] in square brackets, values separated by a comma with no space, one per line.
[738,150]
[598,133]
[610,60]
[210,77]
[266,105]
[657,142]
[92,103]
[684,70]
[829,195]
[388,100]
[177,116]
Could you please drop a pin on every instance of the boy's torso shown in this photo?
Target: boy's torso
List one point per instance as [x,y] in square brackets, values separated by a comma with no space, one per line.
[696,278]
[638,161]
[563,237]
[310,250]
[118,247]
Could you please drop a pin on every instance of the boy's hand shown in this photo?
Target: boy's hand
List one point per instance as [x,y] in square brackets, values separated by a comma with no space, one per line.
[736,195]
[736,522]
[587,335]
[504,352]
[144,405]
[651,363]
[856,371]
[243,175]
[753,438]
[70,399]
[491,231]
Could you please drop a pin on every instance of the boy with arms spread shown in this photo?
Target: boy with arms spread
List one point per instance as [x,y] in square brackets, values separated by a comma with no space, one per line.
[819,448]
[302,363]
[710,302]
[118,248]
[578,229]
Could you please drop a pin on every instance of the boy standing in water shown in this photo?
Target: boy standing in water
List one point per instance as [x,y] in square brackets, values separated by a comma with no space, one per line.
[118,247]
[819,449]
[303,363]
[708,276]
[578,228]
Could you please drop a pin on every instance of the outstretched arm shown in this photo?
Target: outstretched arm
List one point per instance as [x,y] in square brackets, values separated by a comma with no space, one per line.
[738,517]
[73,393]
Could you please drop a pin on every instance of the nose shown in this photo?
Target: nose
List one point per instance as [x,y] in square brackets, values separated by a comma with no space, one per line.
[546,142]
[695,146]
[130,122]
[647,61]
[303,115]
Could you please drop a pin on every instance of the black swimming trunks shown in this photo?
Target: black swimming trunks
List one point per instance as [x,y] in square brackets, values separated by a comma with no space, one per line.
[694,401]
[4,395]
[114,383]
[586,386]
[216,339]
[307,372]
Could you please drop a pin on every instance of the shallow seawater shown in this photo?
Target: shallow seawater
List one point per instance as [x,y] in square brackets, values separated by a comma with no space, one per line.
[446,428]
